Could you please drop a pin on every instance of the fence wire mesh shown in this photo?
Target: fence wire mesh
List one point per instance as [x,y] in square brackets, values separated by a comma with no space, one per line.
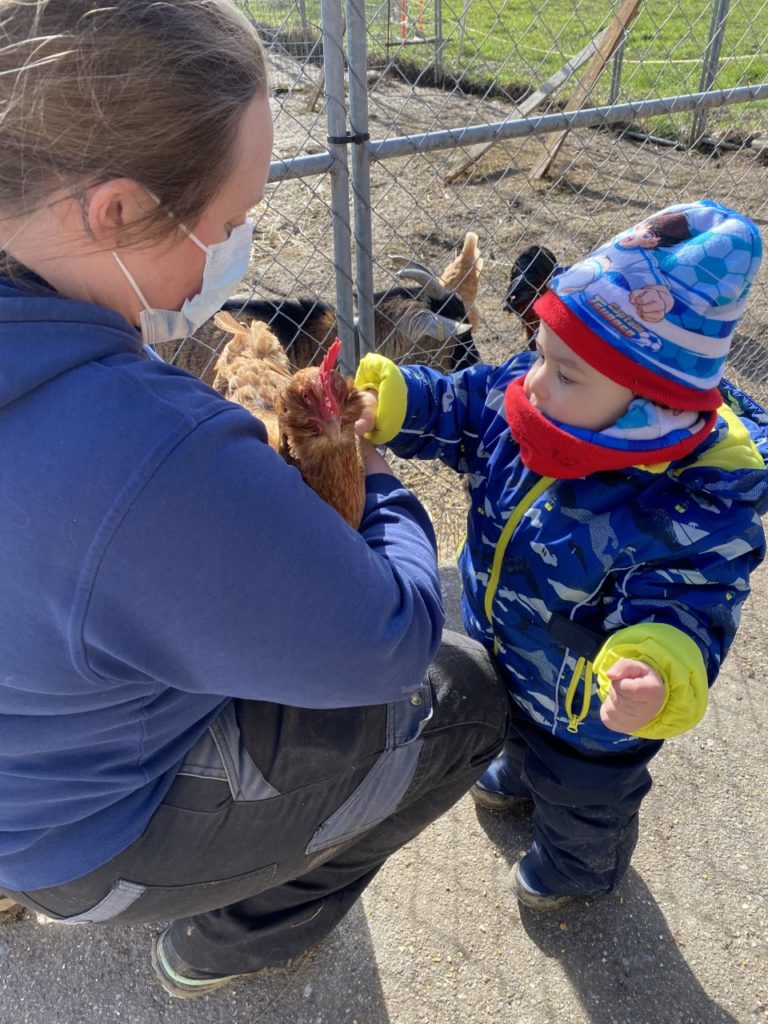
[434,65]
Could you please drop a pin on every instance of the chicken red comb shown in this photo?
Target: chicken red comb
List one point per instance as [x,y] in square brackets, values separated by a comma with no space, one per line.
[330,357]
[327,366]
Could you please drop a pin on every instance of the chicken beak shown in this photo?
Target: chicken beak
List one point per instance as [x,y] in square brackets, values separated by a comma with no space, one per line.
[333,429]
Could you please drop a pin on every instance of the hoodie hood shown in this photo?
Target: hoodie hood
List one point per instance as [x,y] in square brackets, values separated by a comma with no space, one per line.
[42,335]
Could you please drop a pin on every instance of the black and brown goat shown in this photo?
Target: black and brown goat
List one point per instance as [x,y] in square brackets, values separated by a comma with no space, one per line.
[425,323]
[532,271]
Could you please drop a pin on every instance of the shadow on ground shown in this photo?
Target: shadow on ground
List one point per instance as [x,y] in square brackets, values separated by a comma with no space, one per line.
[619,961]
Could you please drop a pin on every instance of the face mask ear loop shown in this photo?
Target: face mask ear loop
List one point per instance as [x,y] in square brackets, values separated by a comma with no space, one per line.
[193,236]
[131,282]
[179,225]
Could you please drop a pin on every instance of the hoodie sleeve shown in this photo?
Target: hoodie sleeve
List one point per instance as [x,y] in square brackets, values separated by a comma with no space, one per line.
[225,574]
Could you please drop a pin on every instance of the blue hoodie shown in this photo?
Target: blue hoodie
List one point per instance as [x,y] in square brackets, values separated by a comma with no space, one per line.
[159,558]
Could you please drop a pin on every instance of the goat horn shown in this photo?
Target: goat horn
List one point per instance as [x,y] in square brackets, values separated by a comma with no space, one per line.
[433,286]
[431,283]
[401,262]
[433,325]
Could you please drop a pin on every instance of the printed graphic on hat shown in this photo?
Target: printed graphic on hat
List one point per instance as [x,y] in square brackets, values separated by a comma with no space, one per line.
[632,255]
[618,319]
[666,294]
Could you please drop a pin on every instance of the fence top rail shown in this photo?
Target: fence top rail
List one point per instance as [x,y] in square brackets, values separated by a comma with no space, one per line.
[450,138]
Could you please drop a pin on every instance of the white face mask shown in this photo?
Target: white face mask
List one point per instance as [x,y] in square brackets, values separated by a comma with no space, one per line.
[226,264]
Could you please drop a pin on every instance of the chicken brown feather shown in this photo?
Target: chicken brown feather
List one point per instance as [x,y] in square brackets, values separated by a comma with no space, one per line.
[309,414]
[462,275]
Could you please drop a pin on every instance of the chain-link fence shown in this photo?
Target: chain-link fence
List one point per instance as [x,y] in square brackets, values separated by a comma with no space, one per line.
[402,125]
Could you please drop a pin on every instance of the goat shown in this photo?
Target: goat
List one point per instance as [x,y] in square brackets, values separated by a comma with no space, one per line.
[532,271]
[424,323]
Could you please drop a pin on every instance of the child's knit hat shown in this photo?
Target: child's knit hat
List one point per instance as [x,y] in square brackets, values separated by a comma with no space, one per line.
[655,308]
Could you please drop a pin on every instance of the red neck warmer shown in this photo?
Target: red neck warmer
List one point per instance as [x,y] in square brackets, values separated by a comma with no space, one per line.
[550,451]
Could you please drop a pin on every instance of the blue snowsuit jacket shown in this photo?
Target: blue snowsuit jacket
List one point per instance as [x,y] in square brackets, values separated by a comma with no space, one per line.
[553,569]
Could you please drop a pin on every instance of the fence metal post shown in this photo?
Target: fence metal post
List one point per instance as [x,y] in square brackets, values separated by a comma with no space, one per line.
[710,63]
[304,23]
[336,117]
[616,69]
[357,61]
[439,41]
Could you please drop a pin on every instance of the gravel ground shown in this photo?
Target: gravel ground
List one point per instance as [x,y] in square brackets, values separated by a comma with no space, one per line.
[437,938]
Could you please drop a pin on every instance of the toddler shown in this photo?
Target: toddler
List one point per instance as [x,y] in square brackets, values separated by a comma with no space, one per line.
[617,483]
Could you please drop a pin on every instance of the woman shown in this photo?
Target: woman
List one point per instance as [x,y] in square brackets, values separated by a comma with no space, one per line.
[214,699]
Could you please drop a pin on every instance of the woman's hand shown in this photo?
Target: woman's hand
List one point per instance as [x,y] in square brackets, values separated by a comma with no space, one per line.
[367,421]
[373,460]
[635,698]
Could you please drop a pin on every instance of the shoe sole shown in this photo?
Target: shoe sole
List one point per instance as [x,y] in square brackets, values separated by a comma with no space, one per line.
[181,991]
[498,802]
[537,900]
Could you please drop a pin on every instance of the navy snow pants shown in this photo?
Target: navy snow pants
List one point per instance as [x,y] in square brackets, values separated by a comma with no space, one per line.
[585,818]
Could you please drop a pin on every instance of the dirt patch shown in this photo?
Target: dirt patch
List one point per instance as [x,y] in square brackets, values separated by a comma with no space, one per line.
[10,911]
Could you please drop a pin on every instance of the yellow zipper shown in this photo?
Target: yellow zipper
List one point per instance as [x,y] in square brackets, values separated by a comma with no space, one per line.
[574,721]
[504,539]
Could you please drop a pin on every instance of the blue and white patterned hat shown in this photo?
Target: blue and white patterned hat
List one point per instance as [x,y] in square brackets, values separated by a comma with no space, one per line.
[655,308]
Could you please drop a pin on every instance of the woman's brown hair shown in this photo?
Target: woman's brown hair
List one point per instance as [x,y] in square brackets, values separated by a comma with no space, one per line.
[152,90]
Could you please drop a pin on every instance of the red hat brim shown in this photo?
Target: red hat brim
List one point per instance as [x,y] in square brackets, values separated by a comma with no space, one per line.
[606,359]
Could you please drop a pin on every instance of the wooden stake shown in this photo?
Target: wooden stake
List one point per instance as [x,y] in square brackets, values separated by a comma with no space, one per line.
[610,39]
[475,153]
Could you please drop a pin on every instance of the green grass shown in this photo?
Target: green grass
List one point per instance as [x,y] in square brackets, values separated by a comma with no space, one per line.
[662,55]
[526,41]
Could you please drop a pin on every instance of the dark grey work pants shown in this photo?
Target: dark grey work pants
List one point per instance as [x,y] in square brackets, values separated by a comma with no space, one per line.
[280,817]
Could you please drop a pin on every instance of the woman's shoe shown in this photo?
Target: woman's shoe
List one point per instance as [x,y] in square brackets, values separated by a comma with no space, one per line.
[185,982]
[499,802]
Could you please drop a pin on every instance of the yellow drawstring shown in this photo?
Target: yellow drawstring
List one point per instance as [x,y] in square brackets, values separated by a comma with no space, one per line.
[582,665]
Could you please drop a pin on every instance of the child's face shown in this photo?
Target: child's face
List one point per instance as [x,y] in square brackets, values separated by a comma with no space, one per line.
[564,387]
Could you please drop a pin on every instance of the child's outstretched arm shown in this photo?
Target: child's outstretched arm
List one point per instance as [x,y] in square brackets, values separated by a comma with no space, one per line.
[421,413]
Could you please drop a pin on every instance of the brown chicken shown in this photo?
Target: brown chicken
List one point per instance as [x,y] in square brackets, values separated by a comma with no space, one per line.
[253,371]
[309,414]
[462,275]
